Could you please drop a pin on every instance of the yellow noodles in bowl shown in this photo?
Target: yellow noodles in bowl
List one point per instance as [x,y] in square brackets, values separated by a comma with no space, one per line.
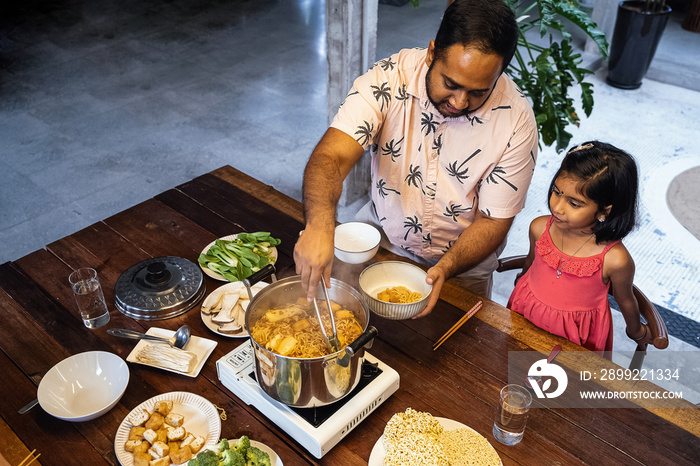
[399,294]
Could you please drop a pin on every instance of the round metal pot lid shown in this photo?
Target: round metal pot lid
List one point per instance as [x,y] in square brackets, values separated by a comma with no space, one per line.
[159,288]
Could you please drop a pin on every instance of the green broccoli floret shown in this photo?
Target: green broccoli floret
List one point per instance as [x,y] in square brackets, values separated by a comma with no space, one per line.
[241,445]
[222,446]
[232,458]
[204,458]
[257,457]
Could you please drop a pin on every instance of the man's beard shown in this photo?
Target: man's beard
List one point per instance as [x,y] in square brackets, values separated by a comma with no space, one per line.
[438,104]
[466,111]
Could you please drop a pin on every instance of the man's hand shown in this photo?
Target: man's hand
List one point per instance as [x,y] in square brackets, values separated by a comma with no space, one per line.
[329,164]
[475,243]
[436,277]
[313,255]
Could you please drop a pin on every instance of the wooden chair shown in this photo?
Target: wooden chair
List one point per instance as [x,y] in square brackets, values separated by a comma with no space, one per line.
[651,315]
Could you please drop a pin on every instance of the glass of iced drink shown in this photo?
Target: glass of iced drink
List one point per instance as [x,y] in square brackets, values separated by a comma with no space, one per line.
[511,414]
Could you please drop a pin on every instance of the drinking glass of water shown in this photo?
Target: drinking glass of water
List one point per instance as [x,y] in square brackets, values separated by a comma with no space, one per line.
[511,414]
[89,297]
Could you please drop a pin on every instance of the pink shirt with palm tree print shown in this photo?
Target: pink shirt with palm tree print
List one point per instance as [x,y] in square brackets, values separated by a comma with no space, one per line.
[430,173]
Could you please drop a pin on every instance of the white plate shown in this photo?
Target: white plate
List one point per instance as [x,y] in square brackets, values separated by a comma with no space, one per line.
[216,276]
[274,457]
[230,287]
[201,418]
[376,457]
[202,347]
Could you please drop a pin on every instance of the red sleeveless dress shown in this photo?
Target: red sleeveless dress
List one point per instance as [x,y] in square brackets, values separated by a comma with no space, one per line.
[575,305]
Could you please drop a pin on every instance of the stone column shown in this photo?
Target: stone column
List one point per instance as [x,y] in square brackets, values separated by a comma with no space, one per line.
[351,45]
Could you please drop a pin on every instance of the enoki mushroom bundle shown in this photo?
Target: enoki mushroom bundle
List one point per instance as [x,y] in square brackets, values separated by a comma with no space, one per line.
[167,357]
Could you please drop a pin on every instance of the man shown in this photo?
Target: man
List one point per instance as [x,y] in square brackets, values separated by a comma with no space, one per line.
[453,143]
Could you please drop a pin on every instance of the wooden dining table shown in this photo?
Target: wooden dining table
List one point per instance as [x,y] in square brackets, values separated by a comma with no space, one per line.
[461,381]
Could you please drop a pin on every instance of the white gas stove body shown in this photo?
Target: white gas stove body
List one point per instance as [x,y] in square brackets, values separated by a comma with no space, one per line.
[234,371]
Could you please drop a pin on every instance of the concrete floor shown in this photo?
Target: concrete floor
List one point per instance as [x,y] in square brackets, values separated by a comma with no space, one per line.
[104,104]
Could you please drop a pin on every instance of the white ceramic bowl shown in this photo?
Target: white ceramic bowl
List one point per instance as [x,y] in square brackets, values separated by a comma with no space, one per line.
[84,386]
[356,242]
[382,275]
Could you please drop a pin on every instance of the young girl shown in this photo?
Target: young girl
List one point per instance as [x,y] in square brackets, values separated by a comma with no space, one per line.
[576,254]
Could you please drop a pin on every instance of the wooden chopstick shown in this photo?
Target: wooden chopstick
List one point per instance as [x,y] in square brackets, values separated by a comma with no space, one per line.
[456,326]
[30,455]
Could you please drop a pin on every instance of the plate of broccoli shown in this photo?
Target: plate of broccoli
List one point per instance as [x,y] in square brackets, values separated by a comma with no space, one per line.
[238,452]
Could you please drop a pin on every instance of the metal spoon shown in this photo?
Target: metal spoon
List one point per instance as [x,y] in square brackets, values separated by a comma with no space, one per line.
[179,340]
[28,406]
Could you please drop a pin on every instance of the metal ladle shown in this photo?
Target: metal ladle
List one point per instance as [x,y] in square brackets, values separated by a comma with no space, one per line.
[179,340]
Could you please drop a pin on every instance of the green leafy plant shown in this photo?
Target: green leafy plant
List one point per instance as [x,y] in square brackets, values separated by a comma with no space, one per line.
[548,74]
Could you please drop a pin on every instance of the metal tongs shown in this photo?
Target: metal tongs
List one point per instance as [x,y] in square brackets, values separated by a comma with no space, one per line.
[333,339]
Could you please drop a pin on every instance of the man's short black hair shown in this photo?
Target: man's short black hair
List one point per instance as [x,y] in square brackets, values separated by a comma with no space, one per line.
[487,25]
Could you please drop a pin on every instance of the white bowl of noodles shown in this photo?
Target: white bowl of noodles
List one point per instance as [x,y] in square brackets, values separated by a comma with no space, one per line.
[402,281]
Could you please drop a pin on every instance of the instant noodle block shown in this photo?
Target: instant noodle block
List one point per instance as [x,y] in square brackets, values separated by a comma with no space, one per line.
[379,277]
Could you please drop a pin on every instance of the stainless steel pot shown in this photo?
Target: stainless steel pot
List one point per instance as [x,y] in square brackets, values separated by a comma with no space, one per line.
[306,382]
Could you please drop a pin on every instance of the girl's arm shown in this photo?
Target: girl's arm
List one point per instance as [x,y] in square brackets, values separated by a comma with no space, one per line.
[537,227]
[619,268]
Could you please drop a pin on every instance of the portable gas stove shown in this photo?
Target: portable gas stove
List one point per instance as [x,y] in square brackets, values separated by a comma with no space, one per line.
[316,429]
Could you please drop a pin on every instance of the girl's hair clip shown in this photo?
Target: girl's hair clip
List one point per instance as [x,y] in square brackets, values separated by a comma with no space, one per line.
[581,147]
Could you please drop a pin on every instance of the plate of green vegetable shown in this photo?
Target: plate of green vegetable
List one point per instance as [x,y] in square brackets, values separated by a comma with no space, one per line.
[235,257]
[241,451]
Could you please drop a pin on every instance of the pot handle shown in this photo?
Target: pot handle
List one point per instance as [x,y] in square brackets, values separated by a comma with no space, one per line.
[350,350]
[268,270]
[368,335]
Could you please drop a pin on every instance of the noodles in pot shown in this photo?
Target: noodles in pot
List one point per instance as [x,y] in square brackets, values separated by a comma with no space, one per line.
[293,330]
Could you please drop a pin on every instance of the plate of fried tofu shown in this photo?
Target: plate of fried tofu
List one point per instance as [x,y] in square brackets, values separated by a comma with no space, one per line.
[168,429]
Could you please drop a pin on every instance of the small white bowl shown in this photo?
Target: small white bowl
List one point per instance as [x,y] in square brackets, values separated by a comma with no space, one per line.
[356,242]
[382,275]
[84,386]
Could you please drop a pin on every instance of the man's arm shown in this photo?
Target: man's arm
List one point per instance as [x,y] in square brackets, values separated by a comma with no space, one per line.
[329,164]
[476,243]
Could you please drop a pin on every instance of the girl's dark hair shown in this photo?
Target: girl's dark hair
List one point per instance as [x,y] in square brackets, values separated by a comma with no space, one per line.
[608,177]
[487,25]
